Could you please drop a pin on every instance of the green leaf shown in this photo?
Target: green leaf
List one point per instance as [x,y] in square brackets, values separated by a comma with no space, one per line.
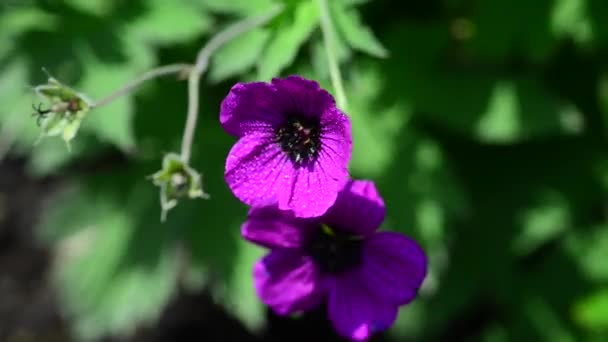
[292,31]
[94,7]
[590,250]
[112,123]
[241,7]
[241,298]
[519,109]
[108,258]
[591,312]
[21,19]
[353,30]
[49,156]
[497,38]
[498,109]
[546,320]
[376,129]
[569,18]
[543,222]
[238,55]
[170,22]
[16,112]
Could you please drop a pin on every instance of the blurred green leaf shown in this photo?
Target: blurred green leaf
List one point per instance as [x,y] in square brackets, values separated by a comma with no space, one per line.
[591,312]
[590,249]
[546,321]
[94,7]
[357,35]
[241,7]
[376,128]
[498,109]
[113,122]
[241,298]
[569,18]
[170,22]
[50,156]
[497,38]
[238,55]
[20,19]
[292,30]
[114,272]
[542,222]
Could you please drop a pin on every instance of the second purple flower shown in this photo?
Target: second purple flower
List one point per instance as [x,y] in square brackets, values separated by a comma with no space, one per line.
[294,145]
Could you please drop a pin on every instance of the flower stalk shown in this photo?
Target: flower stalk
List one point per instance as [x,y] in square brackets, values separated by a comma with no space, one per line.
[332,59]
[202,62]
[171,69]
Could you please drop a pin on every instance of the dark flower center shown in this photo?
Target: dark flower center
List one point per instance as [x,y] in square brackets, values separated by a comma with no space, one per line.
[300,139]
[335,251]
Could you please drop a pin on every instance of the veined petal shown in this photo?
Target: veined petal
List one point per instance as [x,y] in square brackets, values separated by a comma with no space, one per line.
[359,209]
[249,107]
[257,170]
[287,281]
[302,96]
[394,267]
[273,228]
[313,190]
[354,311]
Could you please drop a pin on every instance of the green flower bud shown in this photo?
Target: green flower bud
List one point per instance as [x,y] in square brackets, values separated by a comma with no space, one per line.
[176,180]
[67,109]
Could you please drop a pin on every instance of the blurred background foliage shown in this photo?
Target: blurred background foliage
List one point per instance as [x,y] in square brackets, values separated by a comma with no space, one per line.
[482,121]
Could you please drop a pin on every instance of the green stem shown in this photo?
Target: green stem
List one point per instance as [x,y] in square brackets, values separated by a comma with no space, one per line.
[135,83]
[202,62]
[332,59]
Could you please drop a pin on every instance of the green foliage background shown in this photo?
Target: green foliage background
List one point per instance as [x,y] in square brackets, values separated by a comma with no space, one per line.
[483,123]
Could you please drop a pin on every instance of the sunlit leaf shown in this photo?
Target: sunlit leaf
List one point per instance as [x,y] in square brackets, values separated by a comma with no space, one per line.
[241,298]
[113,122]
[542,222]
[95,7]
[591,311]
[242,7]
[108,258]
[291,32]
[238,55]
[569,18]
[355,32]
[169,22]
[590,250]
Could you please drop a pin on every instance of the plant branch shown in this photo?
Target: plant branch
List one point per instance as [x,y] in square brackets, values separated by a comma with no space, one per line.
[133,84]
[334,69]
[202,62]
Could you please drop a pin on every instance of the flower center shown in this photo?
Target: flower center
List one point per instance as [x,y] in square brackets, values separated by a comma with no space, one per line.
[335,251]
[300,139]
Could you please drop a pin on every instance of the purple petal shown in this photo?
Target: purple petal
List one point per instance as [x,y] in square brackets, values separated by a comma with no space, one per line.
[394,267]
[257,170]
[359,209]
[302,96]
[314,189]
[249,107]
[354,311]
[287,281]
[274,228]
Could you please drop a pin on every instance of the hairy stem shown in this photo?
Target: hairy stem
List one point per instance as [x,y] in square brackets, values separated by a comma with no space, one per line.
[332,59]
[135,83]
[202,62]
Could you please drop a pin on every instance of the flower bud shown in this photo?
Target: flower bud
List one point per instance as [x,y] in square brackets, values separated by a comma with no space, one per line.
[67,109]
[176,180]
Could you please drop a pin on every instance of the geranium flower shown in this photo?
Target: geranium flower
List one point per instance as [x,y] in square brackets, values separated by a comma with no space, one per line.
[363,274]
[294,145]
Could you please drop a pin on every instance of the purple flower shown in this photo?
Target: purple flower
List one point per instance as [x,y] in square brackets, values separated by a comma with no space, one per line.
[363,274]
[294,145]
